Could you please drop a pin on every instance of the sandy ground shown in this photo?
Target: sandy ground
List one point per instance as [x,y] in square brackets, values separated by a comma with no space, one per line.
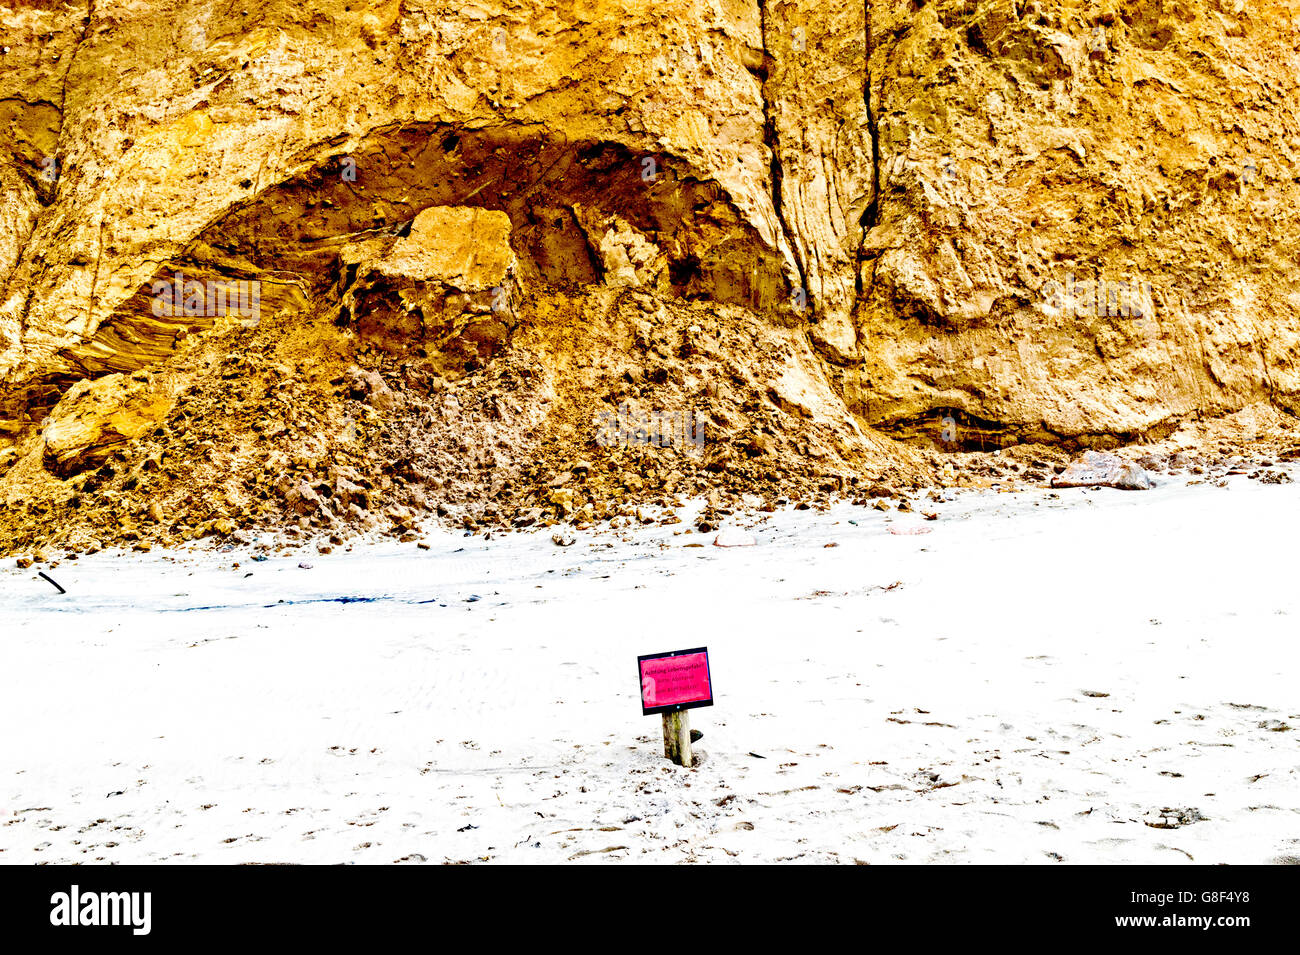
[1037,677]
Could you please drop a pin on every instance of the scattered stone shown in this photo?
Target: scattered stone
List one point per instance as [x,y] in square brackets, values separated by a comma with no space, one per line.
[1172,818]
[368,386]
[1274,477]
[302,499]
[1100,469]
[562,498]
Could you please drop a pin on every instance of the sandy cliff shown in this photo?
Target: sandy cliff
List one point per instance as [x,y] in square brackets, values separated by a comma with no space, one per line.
[343,263]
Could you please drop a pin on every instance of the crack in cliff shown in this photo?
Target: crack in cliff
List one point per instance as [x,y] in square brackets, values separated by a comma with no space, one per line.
[31,102]
[772,140]
[63,87]
[24,316]
[871,215]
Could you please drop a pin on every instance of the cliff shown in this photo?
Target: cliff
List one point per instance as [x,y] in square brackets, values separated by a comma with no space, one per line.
[345,262]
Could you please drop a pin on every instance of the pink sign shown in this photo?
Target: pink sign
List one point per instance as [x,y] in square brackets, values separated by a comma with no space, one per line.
[675,681]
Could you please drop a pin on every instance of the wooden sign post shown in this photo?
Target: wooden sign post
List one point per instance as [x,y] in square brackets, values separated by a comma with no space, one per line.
[673,683]
[677,738]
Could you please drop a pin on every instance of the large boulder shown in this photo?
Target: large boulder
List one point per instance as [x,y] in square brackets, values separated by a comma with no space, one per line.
[448,286]
[462,247]
[94,417]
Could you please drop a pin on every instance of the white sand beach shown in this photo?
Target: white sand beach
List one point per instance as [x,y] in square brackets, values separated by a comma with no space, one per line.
[1074,676]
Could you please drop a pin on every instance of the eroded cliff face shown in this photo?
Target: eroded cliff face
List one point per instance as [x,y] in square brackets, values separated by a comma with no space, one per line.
[254,256]
[1145,149]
